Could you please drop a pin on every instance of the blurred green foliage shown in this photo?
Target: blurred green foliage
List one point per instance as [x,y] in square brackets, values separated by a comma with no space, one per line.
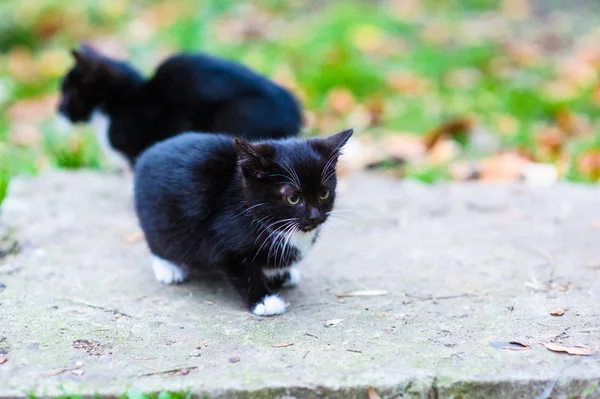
[383,67]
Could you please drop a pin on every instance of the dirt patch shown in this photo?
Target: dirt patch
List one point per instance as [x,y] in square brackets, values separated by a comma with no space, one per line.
[92,348]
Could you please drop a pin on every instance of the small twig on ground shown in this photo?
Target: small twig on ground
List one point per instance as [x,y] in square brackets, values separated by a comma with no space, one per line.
[281,345]
[168,371]
[149,367]
[352,350]
[146,358]
[310,335]
[306,354]
[90,305]
[435,298]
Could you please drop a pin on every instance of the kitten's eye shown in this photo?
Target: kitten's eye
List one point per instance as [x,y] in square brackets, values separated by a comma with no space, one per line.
[324,195]
[293,199]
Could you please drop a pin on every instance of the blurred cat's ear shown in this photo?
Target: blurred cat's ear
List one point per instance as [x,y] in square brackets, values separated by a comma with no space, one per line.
[254,158]
[91,59]
[332,145]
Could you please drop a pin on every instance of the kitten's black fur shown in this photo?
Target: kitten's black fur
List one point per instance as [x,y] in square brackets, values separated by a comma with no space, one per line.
[188,92]
[211,201]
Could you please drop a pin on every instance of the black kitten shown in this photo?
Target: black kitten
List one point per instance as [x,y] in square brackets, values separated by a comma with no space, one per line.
[187,93]
[252,209]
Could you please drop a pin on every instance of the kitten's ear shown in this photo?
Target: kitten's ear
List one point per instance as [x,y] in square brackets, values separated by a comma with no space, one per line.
[91,59]
[254,158]
[332,145]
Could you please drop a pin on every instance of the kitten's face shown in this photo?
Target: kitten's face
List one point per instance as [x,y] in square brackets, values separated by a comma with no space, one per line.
[290,184]
[82,87]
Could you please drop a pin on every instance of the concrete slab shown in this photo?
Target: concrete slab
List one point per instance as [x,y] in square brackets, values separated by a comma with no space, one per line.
[468,268]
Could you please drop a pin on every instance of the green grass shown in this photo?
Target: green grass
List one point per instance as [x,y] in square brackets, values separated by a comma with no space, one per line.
[355,45]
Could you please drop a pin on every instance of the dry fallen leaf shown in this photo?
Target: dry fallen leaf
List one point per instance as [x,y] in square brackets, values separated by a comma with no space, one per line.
[373,394]
[516,348]
[332,322]
[77,372]
[281,345]
[521,343]
[234,359]
[341,100]
[579,350]
[363,293]
[209,303]
[557,312]
[3,360]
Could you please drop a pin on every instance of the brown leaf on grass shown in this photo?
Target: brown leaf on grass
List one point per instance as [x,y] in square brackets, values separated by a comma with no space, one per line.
[578,73]
[359,152]
[362,293]
[573,124]
[523,53]
[443,152]
[588,164]
[20,63]
[501,167]
[577,350]
[340,100]
[451,129]
[520,343]
[3,360]
[401,146]
[34,109]
[550,141]
[408,83]
[557,312]
[281,345]
[373,393]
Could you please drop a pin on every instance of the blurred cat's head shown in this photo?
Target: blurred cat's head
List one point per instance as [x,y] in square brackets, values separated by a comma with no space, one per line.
[91,81]
[290,184]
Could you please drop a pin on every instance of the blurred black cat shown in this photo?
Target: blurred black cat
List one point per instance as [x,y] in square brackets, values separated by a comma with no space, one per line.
[251,209]
[188,92]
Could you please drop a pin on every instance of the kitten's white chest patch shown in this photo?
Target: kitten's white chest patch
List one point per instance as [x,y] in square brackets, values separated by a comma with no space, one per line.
[303,241]
[101,124]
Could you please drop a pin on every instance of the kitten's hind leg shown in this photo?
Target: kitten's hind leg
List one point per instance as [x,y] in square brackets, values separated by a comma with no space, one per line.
[251,283]
[168,272]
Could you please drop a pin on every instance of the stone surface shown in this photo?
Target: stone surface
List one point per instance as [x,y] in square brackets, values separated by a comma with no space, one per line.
[468,268]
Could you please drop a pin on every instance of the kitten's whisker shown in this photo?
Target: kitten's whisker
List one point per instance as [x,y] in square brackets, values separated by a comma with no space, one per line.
[289,236]
[293,173]
[292,176]
[248,209]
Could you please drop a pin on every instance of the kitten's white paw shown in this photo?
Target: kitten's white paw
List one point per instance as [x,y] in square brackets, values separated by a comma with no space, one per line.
[270,305]
[294,277]
[168,272]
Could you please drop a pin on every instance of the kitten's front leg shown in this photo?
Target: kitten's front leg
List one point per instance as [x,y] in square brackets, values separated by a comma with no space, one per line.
[251,283]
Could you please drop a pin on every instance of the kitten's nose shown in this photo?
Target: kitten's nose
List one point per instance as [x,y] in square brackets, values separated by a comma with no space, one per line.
[314,214]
